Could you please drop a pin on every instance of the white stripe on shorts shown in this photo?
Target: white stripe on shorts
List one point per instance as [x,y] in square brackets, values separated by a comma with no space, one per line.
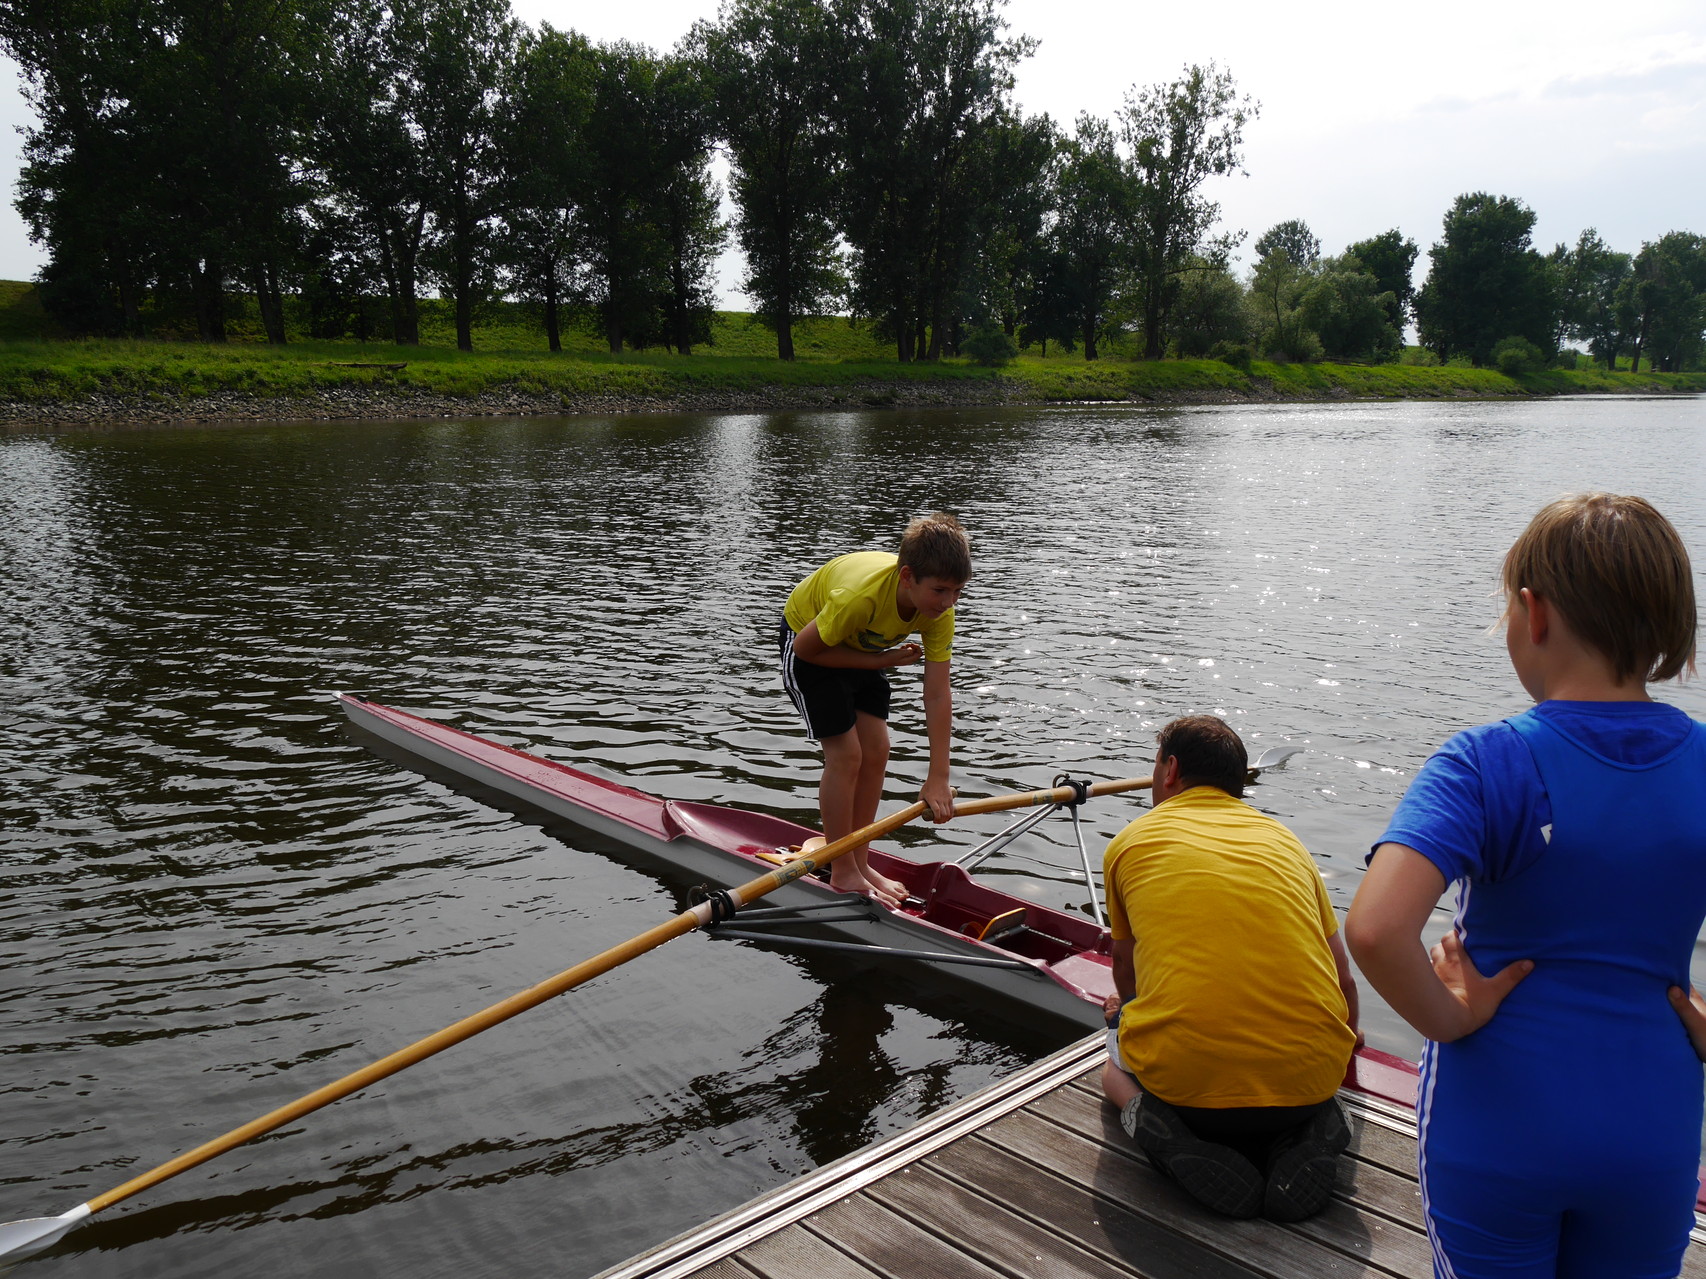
[792,687]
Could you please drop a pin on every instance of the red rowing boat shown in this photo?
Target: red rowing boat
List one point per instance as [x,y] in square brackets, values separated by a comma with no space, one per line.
[1050,961]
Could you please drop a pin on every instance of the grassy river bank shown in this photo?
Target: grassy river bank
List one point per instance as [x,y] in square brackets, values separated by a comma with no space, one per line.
[49,382]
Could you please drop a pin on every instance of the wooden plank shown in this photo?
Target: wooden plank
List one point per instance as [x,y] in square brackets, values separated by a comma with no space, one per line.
[890,1244]
[1126,1180]
[793,1253]
[1400,1249]
[1379,1145]
[731,1268]
[1070,1207]
[1376,1190]
[1006,1242]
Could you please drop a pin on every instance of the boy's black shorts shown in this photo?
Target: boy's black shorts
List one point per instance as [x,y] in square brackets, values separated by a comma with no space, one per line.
[829,698]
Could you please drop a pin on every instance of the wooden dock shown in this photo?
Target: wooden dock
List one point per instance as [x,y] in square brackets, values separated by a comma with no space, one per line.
[1032,1178]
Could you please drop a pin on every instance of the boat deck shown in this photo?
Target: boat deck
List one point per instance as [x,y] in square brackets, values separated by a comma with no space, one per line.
[1033,1178]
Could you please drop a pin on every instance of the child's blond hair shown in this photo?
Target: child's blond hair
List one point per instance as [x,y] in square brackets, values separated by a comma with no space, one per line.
[1618,572]
[935,545]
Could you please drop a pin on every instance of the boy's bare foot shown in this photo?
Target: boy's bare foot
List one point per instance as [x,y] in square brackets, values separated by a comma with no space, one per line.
[851,881]
[888,886]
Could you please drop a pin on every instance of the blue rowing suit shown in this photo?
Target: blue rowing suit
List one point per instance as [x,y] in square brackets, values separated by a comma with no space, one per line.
[1563,1137]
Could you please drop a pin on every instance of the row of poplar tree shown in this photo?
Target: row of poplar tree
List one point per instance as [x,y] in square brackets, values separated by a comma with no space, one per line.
[351,155]
[339,151]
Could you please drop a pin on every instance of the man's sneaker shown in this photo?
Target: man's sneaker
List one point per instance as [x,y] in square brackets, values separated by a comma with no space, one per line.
[1302,1165]
[1216,1176]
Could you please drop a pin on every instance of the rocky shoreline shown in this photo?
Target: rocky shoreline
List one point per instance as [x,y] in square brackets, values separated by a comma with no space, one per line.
[381,402]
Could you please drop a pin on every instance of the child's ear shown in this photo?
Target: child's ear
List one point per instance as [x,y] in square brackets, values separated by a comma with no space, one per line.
[906,575]
[1538,613]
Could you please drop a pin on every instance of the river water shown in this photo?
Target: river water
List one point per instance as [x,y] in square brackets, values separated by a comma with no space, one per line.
[213,898]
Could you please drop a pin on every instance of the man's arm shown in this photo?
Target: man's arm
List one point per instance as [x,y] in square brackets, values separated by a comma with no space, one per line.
[1347,983]
[1125,972]
[810,647]
[939,726]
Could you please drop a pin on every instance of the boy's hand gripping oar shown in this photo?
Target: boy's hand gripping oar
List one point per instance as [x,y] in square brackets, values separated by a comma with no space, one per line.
[20,1238]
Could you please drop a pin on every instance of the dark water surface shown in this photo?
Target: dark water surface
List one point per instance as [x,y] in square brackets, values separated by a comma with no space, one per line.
[214,899]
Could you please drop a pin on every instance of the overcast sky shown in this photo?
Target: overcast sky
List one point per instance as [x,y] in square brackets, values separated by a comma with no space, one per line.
[1372,116]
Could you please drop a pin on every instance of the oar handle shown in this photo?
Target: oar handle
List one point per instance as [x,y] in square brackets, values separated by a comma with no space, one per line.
[569,978]
[1054,795]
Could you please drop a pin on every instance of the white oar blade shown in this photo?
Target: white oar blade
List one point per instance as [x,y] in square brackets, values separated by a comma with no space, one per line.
[1274,756]
[19,1239]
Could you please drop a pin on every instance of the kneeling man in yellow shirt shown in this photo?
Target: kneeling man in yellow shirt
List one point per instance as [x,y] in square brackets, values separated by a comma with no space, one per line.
[1237,1008]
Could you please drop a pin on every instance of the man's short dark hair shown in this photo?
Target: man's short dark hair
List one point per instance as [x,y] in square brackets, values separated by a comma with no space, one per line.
[1208,751]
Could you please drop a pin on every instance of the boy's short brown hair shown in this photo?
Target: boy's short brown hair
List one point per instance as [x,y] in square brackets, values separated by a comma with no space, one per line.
[1209,752]
[1618,572]
[935,545]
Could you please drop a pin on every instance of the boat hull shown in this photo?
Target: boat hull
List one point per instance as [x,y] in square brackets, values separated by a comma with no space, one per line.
[1057,965]
[725,847]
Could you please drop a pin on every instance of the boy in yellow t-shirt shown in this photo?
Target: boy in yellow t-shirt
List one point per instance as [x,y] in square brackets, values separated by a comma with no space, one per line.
[1237,1008]
[842,628]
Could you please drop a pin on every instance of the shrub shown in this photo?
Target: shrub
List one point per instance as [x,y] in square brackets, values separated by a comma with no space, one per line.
[1237,354]
[990,347]
[1419,357]
[1514,356]
[1292,343]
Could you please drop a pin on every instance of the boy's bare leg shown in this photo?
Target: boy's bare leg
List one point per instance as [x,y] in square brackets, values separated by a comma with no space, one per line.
[1117,1086]
[836,798]
[873,734]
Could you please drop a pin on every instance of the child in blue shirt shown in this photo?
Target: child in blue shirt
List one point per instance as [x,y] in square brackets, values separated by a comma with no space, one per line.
[1560,1099]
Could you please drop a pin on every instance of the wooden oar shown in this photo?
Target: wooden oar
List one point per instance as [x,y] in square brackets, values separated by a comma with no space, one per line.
[20,1238]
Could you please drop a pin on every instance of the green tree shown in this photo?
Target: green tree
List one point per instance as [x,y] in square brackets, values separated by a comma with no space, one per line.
[371,152]
[1345,308]
[546,107]
[1179,135]
[463,51]
[1294,239]
[1025,153]
[1046,313]
[1485,282]
[921,84]
[83,170]
[1209,312]
[685,200]
[166,150]
[1587,281]
[769,64]
[625,254]
[1391,258]
[1091,236]
[1666,295]
[1277,286]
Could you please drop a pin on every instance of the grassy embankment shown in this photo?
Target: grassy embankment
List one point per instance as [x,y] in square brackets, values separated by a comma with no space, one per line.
[37,368]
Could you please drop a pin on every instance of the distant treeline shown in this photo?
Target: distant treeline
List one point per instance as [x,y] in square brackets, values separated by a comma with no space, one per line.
[355,154]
